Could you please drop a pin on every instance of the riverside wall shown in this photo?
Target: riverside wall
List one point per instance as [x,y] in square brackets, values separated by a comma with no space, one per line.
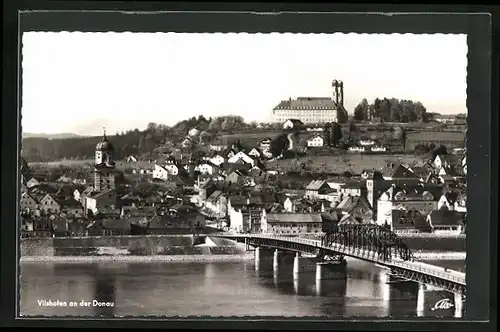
[187,245]
[150,245]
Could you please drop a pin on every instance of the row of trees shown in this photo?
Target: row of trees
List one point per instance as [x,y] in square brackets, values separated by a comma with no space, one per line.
[131,142]
[392,110]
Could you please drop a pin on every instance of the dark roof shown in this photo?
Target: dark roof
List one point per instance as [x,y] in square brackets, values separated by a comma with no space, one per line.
[402,219]
[123,224]
[353,184]
[445,218]
[402,172]
[71,203]
[307,103]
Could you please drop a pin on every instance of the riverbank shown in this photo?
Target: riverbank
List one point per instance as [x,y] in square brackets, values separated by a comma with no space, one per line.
[428,256]
[139,259]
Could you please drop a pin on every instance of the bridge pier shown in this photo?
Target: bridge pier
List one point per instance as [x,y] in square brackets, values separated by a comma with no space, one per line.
[437,302]
[257,256]
[302,264]
[331,270]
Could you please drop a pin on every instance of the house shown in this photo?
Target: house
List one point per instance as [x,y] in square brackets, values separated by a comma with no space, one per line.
[353,188]
[446,161]
[172,168]
[217,160]
[378,149]
[403,174]
[49,204]
[357,149]
[241,156]
[65,179]
[187,142]
[419,198]
[28,203]
[217,147]
[116,226]
[216,203]
[59,227]
[72,208]
[315,188]
[160,173]
[254,153]
[265,144]
[235,176]
[315,140]
[447,201]
[409,221]
[288,205]
[246,219]
[357,207]
[100,200]
[293,124]
[463,164]
[206,169]
[131,159]
[291,223]
[367,142]
[32,182]
[193,132]
[445,222]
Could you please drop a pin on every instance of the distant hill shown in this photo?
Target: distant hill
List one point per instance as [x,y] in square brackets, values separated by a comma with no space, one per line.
[52,136]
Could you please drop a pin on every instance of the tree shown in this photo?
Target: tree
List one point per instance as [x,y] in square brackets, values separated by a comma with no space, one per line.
[335,134]
[327,133]
[361,111]
[279,145]
[440,150]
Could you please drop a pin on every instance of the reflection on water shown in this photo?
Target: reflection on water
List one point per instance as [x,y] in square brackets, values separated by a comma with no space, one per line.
[213,289]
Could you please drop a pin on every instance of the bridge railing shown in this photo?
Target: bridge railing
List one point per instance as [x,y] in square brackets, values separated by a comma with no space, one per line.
[454,276]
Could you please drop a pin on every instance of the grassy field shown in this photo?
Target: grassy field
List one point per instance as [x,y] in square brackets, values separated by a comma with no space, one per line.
[250,139]
[355,163]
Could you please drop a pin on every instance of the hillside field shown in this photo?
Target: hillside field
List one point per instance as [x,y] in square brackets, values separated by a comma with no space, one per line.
[354,163]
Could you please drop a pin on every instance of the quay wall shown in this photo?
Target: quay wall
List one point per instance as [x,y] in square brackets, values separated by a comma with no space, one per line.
[145,245]
[151,245]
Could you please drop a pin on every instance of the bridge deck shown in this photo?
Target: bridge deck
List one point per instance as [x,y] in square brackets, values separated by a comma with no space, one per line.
[420,267]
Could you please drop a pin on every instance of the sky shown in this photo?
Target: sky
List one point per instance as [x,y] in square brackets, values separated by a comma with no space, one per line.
[81,82]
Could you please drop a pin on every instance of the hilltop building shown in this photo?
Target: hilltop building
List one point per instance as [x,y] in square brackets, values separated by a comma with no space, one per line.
[312,110]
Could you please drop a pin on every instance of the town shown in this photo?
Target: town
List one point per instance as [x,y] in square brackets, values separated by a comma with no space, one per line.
[315,166]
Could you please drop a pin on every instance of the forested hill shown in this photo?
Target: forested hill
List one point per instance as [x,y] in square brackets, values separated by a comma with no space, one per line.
[133,142]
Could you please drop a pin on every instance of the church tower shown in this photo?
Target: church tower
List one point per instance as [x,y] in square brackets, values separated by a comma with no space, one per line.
[104,168]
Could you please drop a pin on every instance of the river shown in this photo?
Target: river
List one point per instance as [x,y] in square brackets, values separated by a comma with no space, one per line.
[212,289]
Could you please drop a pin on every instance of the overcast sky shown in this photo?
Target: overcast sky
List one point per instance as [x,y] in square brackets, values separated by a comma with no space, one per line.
[80,82]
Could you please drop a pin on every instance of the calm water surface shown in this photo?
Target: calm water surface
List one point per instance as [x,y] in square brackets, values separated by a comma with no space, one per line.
[213,289]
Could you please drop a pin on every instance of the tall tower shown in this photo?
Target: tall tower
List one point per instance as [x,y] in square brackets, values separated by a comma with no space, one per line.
[335,86]
[341,93]
[104,168]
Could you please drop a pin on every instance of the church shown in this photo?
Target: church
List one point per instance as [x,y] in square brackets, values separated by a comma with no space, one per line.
[102,195]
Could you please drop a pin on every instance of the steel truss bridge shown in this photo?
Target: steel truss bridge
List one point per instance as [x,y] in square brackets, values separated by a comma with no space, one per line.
[368,242]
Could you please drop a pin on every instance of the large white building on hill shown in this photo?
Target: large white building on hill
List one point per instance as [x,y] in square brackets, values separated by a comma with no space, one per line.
[313,110]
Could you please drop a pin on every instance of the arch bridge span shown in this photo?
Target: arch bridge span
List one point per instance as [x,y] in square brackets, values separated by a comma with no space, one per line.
[368,242]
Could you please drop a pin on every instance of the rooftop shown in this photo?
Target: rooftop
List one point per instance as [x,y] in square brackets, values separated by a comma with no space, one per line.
[307,103]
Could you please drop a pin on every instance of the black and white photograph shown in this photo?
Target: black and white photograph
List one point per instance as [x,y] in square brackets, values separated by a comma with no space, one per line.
[243,175]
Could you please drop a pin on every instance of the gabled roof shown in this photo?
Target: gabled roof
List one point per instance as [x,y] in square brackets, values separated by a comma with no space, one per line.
[350,202]
[315,185]
[117,224]
[402,172]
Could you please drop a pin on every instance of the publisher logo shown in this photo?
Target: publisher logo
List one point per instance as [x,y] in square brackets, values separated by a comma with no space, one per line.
[443,304]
